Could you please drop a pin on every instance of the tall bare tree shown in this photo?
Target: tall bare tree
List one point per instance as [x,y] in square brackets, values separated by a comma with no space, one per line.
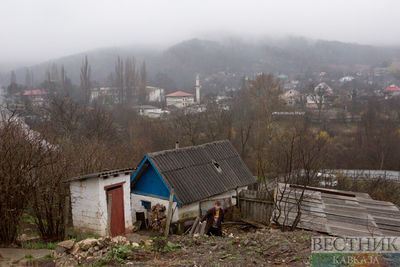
[119,80]
[63,78]
[13,77]
[130,79]
[143,83]
[85,80]
[28,79]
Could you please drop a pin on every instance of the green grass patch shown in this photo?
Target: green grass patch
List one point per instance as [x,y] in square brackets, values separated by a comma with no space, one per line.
[29,219]
[80,236]
[40,245]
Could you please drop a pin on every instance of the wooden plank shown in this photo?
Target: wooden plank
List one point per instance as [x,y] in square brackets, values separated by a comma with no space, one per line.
[256,224]
[196,222]
[257,200]
[169,213]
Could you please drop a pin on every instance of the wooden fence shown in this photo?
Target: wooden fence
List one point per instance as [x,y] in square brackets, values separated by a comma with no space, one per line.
[256,206]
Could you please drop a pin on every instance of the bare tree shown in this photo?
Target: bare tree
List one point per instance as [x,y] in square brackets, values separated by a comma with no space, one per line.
[54,77]
[264,96]
[143,83]
[318,96]
[298,156]
[63,78]
[21,153]
[85,80]
[188,126]
[243,114]
[130,79]
[13,77]
[28,79]
[119,80]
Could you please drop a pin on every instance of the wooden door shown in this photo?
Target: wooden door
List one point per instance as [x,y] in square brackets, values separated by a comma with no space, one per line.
[117,225]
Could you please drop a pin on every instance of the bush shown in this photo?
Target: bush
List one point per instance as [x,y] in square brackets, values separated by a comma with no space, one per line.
[21,153]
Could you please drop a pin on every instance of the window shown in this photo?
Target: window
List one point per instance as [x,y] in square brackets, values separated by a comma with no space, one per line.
[217,166]
[146,205]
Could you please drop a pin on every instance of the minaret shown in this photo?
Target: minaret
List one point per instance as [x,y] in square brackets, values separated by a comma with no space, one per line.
[197,89]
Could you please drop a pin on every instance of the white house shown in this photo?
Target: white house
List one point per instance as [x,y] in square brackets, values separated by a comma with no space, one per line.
[198,175]
[90,197]
[104,93]
[150,111]
[179,99]
[391,91]
[155,94]
[346,79]
[291,97]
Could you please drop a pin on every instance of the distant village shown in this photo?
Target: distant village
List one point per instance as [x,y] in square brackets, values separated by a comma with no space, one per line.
[330,95]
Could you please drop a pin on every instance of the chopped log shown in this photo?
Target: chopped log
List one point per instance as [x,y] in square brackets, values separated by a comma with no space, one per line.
[157,218]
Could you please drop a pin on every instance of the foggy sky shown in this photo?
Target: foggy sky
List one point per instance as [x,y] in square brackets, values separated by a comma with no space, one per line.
[36,30]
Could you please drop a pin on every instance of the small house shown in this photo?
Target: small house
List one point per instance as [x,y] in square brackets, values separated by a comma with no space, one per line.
[95,195]
[154,94]
[391,91]
[198,176]
[291,97]
[179,99]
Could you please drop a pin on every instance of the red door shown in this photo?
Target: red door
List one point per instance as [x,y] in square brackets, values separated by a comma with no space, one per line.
[117,210]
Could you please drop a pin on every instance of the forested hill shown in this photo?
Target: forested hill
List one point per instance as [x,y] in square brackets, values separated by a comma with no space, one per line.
[178,63]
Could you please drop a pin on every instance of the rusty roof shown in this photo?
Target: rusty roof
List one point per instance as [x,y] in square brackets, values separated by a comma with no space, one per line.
[200,172]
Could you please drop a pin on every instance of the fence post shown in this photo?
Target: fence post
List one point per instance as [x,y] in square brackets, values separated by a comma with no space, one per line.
[169,213]
[237,197]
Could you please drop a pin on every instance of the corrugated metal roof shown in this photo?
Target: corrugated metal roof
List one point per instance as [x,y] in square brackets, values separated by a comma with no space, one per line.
[340,213]
[193,173]
[103,174]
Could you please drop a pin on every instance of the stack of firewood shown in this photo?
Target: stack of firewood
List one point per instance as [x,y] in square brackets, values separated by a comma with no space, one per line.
[157,218]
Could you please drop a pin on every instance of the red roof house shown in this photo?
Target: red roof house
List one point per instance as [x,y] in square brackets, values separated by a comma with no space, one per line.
[179,94]
[392,89]
[35,92]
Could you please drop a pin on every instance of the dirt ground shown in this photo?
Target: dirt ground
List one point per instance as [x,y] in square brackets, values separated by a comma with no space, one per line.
[241,245]
[238,247]
[8,256]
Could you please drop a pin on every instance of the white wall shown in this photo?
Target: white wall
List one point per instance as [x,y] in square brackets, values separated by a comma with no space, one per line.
[180,102]
[89,204]
[187,211]
[85,205]
[136,205]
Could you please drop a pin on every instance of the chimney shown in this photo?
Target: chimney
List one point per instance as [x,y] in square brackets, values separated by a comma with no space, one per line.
[197,89]
[176,144]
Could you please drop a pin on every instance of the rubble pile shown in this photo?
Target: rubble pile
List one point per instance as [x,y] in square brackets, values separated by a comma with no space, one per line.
[71,253]
[157,217]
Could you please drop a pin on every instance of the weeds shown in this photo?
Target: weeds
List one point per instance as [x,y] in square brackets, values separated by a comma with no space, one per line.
[116,255]
[40,245]
[160,244]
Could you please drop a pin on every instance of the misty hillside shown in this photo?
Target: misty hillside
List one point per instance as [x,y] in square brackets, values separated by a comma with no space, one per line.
[180,62]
